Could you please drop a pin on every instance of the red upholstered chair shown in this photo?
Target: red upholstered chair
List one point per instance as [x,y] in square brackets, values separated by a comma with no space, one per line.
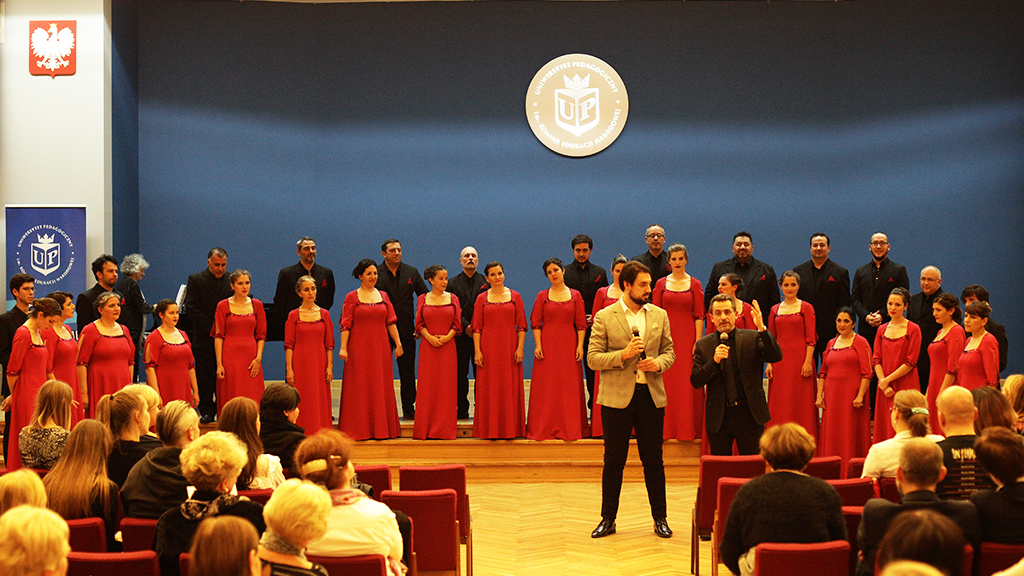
[366,565]
[138,533]
[185,563]
[825,467]
[262,495]
[435,528]
[142,563]
[854,467]
[444,476]
[88,535]
[994,557]
[376,475]
[887,489]
[968,560]
[852,515]
[854,491]
[702,518]
[727,488]
[820,559]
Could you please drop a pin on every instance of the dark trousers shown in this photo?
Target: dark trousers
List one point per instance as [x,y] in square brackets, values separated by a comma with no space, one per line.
[407,371]
[588,373]
[738,425]
[649,423]
[206,374]
[464,349]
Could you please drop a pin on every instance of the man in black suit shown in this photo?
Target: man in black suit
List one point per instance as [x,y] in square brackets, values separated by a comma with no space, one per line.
[104,268]
[466,286]
[730,362]
[402,283]
[23,289]
[286,298]
[759,281]
[202,293]
[872,284]
[976,293]
[826,285]
[919,472]
[920,313]
[656,259]
[586,278]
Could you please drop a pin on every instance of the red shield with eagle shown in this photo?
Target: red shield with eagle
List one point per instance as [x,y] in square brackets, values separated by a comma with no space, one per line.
[52,47]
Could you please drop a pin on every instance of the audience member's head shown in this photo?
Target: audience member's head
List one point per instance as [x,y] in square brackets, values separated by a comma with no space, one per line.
[1013,389]
[297,512]
[21,487]
[925,536]
[150,395]
[993,409]
[214,461]
[240,416]
[910,412]
[909,568]
[787,447]
[1001,453]
[225,546]
[80,475]
[956,411]
[921,465]
[53,404]
[324,458]
[125,414]
[177,424]
[33,542]
[279,402]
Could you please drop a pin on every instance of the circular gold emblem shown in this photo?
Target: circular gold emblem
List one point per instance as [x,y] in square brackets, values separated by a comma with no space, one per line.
[577,105]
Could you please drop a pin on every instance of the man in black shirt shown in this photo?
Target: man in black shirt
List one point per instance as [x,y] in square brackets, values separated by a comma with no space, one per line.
[965,475]
[104,269]
[23,289]
[656,259]
[203,292]
[466,286]
[920,313]
[872,284]
[978,293]
[587,279]
[759,281]
[402,283]
[826,286]
[286,298]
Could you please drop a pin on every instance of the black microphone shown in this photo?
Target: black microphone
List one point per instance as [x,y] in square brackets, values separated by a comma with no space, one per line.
[723,338]
[636,334]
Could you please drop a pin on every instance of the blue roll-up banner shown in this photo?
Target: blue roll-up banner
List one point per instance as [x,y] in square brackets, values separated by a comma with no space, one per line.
[47,242]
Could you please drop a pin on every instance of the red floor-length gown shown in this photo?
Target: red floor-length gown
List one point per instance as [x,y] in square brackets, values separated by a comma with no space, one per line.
[845,430]
[684,412]
[368,407]
[107,360]
[790,395]
[311,343]
[979,367]
[500,406]
[558,402]
[171,363]
[890,354]
[601,301]
[28,362]
[943,355]
[436,404]
[241,332]
[63,364]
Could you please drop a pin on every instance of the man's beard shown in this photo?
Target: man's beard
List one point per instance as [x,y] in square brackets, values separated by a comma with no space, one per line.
[643,299]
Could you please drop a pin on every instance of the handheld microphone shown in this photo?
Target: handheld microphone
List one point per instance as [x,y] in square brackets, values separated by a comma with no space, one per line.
[723,338]
[636,334]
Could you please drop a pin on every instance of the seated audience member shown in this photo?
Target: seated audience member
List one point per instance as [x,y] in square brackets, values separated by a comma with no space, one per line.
[127,417]
[156,484]
[33,542]
[1015,570]
[153,402]
[910,420]
[42,441]
[1013,389]
[964,475]
[1001,453]
[241,417]
[211,464]
[909,568]
[920,470]
[993,409]
[21,487]
[356,524]
[77,486]
[225,546]
[784,505]
[279,408]
[925,536]
[295,515]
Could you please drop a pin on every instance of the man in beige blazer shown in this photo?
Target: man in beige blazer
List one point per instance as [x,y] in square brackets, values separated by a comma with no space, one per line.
[632,393]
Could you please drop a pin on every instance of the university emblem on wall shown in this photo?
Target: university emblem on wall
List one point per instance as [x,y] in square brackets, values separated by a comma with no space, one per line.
[577,105]
[52,47]
[45,251]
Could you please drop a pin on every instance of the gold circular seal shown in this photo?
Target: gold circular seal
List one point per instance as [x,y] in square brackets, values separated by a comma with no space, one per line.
[577,105]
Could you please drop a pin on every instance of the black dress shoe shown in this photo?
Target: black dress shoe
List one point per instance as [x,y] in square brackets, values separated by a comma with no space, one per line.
[603,529]
[661,528]
[207,419]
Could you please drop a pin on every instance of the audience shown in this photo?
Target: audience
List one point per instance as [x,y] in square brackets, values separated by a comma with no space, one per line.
[156,484]
[127,417]
[909,568]
[33,542]
[43,440]
[1001,453]
[241,417]
[925,536]
[295,515]
[21,487]
[910,420]
[956,416]
[225,546]
[993,409]
[153,402]
[279,408]
[1013,389]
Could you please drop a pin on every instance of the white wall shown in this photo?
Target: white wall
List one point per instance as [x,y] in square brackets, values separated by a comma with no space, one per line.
[55,132]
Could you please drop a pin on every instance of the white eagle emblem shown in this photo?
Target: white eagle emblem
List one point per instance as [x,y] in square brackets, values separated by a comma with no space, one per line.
[52,46]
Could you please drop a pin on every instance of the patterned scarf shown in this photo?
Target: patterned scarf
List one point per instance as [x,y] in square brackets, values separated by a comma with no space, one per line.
[197,509]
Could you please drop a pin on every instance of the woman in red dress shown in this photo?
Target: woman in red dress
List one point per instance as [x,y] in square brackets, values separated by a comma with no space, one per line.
[897,346]
[791,391]
[978,365]
[944,352]
[26,371]
[368,407]
[170,367]
[682,296]
[843,384]
[606,296]
[239,333]
[438,320]
[62,350]
[731,284]
[499,330]
[308,358]
[106,353]
[558,405]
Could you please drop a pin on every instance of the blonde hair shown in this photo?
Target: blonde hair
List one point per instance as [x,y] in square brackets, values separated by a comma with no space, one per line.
[1013,388]
[146,392]
[174,422]
[215,456]
[910,568]
[297,511]
[116,410]
[787,446]
[53,403]
[32,541]
[21,487]
[222,546]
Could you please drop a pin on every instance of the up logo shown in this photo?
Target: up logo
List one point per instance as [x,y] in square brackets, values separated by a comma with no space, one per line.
[47,250]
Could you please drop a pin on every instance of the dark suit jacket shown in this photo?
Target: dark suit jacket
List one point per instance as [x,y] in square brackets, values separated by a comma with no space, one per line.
[467,289]
[285,297]
[202,294]
[828,295]
[999,331]
[85,313]
[1001,513]
[869,296]
[752,350]
[759,283]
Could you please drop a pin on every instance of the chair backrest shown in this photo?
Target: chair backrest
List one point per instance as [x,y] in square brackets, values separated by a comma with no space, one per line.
[88,535]
[376,475]
[366,565]
[711,469]
[142,563]
[854,491]
[436,478]
[854,467]
[820,559]
[435,530]
[887,489]
[825,467]
[262,495]
[994,557]
[727,489]
[138,533]
[968,560]
[852,515]
[185,563]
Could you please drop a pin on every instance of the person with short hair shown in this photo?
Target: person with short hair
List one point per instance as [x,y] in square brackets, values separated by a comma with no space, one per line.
[225,546]
[1001,454]
[21,487]
[896,350]
[587,278]
[759,280]
[106,353]
[909,418]
[22,288]
[979,363]
[873,283]
[33,542]
[42,441]
[104,268]
[309,355]
[978,293]
[239,334]
[467,285]
[732,284]
[402,283]
[944,350]
[921,313]
[155,484]
[964,473]
[784,505]
[438,322]
[286,298]
[241,417]
[826,285]
[655,258]
[204,291]
[926,536]
[295,516]
[62,352]
[134,307]
[279,416]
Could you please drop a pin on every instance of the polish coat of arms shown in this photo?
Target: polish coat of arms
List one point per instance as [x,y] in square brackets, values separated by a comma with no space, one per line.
[52,48]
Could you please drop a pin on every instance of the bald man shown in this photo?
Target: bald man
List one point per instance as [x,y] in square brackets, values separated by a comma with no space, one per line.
[466,286]
[964,475]
[920,313]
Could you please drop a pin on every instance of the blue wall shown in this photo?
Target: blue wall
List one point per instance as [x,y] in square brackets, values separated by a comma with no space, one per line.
[262,122]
